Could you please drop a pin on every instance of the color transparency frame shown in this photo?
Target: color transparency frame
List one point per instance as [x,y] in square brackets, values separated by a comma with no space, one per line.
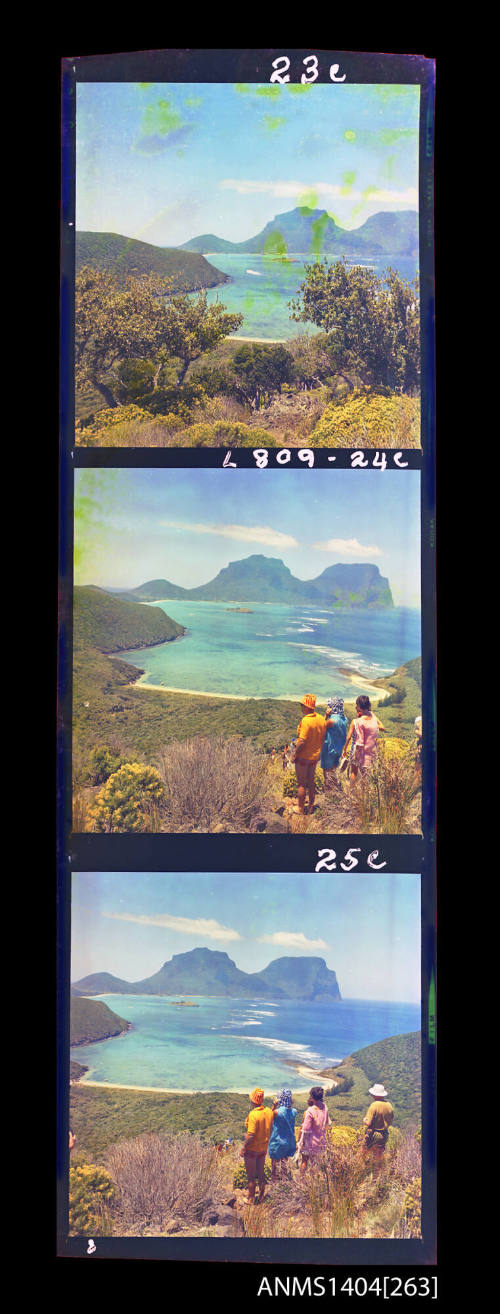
[79,852]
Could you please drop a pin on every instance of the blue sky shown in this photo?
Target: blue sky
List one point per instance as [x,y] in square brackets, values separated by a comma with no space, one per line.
[366,927]
[186,525]
[167,162]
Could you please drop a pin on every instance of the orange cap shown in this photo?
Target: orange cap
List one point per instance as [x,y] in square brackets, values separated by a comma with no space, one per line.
[309,700]
[257,1095]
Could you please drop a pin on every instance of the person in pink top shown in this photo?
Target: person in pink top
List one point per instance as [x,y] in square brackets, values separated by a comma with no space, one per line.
[313,1131]
[365,730]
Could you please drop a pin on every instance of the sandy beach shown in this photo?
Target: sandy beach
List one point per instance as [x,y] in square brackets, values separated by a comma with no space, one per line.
[237,337]
[199,693]
[168,1090]
[376,693]
[359,680]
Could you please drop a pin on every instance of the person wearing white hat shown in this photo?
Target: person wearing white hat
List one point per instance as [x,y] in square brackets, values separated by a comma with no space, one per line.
[378,1119]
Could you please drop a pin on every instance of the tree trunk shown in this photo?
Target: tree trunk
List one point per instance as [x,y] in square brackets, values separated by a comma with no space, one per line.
[105,392]
[182,373]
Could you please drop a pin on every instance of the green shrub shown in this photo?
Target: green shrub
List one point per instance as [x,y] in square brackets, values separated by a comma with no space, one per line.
[136,377]
[128,800]
[240,1179]
[102,764]
[173,400]
[90,1190]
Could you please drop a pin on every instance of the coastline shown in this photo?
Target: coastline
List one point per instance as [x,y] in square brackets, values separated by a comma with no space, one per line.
[168,1090]
[375,691]
[199,693]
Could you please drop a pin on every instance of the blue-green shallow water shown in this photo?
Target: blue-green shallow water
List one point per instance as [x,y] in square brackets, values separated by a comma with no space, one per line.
[277,651]
[262,295]
[236,1044]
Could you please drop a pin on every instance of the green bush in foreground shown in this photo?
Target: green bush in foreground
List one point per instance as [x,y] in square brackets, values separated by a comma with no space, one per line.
[369,420]
[128,800]
[103,764]
[90,1192]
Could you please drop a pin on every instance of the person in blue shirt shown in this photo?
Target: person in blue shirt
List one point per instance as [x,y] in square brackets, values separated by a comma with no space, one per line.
[282,1143]
[335,737]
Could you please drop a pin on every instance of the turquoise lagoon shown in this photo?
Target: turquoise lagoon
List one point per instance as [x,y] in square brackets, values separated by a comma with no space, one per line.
[236,1044]
[277,651]
[260,290]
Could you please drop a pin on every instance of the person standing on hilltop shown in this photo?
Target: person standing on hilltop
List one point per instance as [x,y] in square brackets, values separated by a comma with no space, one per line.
[335,737]
[377,1121]
[311,732]
[253,1151]
[364,729]
[312,1140]
[282,1143]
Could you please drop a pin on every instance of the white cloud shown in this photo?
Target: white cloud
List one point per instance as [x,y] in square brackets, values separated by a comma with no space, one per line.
[292,940]
[199,926]
[263,534]
[348,547]
[284,187]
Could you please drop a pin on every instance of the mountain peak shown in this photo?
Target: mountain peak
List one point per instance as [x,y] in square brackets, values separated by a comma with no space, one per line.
[210,972]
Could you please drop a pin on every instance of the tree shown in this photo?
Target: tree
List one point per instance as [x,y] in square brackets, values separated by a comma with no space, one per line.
[192,327]
[115,321]
[136,319]
[261,370]
[373,322]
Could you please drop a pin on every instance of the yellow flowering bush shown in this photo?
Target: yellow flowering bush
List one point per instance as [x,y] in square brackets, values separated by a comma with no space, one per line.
[116,426]
[126,800]
[346,1137]
[391,748]
[90,1190]
[226,433]
[369,420]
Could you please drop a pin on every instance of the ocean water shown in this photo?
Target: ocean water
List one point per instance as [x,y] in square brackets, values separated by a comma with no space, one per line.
[262,295]
[236,1044]
[277,651]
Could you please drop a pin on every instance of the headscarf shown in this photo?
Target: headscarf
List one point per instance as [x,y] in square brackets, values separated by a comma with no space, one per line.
[284,1097]
[335,705]
[257,1095]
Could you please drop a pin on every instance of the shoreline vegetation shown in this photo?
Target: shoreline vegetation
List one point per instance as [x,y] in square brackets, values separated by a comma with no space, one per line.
[185,376]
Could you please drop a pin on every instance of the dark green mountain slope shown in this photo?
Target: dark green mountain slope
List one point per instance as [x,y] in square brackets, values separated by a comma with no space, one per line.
[106,622]
[91,1019]
[125,255]
[301,978]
